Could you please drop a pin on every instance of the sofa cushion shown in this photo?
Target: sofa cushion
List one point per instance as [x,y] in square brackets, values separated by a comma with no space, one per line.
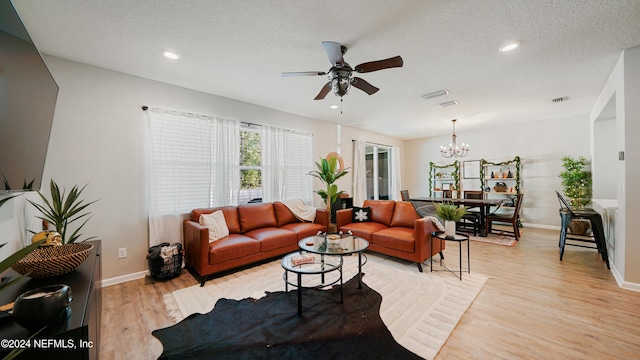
[284,216]
[361,214]
[398,238]
[273,238]
[381,210]
[404,214]
[256,216]
[230,216]
[232,247]
[216,225]
[304,230]
[363,229]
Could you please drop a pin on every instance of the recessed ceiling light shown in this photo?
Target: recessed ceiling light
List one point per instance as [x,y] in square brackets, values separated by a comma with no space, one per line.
[435,94]
[509,46]
[334,106]
[170,54]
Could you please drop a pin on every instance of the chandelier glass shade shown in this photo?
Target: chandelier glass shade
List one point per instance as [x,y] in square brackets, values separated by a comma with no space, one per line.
[453,150]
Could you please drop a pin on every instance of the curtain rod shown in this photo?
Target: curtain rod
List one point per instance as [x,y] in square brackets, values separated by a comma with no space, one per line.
[145,108]
[372,143]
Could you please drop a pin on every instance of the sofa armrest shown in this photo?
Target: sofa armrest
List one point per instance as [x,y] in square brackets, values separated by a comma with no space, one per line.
[322,217]
[343,217]
[196,244]
[422,230]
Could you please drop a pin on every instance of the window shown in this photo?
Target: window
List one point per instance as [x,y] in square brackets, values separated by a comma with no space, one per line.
[250,166]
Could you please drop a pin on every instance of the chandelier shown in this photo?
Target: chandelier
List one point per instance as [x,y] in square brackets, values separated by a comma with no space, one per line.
[453,150]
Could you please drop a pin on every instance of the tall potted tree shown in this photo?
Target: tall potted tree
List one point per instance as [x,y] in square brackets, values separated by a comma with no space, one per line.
[577,187]
[329,170]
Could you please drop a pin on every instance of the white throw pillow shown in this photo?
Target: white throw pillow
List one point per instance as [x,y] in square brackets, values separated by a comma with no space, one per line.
[216,224]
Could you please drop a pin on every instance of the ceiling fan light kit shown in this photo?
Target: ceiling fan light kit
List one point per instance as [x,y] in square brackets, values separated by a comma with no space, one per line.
[340,73]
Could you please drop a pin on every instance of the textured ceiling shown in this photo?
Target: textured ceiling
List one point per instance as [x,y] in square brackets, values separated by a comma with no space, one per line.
[238,49]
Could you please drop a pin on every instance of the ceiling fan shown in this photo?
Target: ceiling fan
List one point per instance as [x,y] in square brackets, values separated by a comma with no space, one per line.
[340,79]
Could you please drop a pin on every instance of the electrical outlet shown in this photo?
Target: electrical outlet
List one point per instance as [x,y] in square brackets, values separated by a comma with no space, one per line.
[122,253]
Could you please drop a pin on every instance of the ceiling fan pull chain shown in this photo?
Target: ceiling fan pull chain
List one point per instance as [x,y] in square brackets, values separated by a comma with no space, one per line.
[341,99]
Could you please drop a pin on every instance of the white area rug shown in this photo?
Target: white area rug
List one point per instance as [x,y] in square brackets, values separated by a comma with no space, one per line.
[420,309]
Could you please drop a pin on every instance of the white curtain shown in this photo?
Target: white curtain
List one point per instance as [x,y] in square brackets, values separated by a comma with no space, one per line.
[193,163]
[226,163]
[272,140]
[396,174]
[359,173]
[286,161]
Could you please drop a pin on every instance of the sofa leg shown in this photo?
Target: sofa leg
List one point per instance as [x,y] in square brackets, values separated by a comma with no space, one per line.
[419,267]
[204,279]
[441,256]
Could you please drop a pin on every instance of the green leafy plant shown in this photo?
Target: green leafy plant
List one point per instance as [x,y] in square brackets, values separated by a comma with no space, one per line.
[328,172]
[63,210]
[576,181]
[450,212]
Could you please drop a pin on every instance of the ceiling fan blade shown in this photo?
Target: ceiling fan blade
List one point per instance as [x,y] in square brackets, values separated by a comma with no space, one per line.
[325,90]
[303,73]
[364,86]
[334,52]
[379,65]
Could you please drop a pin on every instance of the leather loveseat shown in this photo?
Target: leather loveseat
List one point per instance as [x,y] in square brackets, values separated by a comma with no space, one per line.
[393,228]
[256,232]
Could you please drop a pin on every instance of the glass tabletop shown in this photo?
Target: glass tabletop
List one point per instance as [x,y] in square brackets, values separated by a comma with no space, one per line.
[333,244]
[304,263]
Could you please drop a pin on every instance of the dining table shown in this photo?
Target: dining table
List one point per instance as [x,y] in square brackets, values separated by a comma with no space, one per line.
[484,205]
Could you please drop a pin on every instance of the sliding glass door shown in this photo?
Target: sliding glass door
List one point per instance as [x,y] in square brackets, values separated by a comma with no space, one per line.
[378,164]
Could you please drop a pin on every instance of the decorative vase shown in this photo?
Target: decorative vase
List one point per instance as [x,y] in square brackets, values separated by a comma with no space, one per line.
[449,228]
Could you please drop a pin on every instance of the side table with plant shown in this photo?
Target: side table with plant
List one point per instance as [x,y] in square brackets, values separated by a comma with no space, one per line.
[450,213]
[577,187]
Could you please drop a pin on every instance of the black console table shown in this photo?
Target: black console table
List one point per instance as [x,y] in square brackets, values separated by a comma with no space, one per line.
[341,203]
[82,327]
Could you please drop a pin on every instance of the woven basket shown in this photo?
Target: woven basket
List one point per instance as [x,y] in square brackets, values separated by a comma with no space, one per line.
[53,260]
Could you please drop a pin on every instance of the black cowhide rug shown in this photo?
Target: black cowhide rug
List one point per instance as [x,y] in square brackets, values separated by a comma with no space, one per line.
[269,328]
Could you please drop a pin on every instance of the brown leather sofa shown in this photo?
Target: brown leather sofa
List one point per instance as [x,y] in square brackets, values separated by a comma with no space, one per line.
[394,229]
[256,232]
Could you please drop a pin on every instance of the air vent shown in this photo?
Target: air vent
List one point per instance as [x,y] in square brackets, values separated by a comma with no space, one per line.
[448,103]
[560,99]
[435,94]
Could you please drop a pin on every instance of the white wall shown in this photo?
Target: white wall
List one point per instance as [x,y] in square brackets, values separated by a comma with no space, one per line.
[623,85]
[99,138]
[540,146]
[605,160]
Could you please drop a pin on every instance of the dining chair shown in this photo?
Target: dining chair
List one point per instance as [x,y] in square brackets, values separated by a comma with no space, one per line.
[471,220]
[567,213]
[404,195]
[510,218]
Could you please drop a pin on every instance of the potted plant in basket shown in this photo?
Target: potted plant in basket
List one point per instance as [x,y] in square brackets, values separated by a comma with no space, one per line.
[329,170]
[62,210]
[451,214]
[576,184]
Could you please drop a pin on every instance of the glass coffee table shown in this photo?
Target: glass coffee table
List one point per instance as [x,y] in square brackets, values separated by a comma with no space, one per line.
[303,263]
[337,245]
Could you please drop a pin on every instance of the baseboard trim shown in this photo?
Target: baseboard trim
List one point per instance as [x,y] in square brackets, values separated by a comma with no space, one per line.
[124,278]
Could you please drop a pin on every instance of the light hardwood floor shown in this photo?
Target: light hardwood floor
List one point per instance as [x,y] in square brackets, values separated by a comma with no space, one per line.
[532,307]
